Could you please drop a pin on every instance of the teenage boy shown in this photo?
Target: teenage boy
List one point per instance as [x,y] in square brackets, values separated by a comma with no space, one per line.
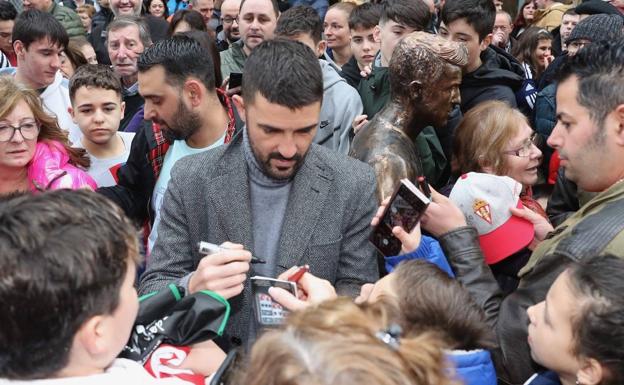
[38,41]
[341,102]
[364,44]
[97,108]
[81,302]
[491,73]
[398,18]
[8,14]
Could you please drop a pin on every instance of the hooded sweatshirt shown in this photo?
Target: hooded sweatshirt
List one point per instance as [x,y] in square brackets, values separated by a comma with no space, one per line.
[341,104]
[473,367]
[499,77]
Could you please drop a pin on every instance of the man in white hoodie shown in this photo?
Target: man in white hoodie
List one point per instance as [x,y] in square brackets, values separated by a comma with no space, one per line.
[38,40]
[341,102]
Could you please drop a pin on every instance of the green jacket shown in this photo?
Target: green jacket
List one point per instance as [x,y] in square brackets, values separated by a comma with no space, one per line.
[69,19]
[233,59]
[567,229]
[375,93]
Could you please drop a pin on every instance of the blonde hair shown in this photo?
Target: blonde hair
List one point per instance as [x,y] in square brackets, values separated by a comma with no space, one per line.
[482,136]
[335,343]
[11,93]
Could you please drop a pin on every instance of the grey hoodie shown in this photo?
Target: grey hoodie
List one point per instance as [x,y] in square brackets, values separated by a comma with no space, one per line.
[341,104]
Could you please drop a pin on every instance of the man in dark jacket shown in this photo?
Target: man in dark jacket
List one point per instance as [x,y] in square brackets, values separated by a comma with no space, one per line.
[68,18]
[491,73]
[157,26]
[589,137]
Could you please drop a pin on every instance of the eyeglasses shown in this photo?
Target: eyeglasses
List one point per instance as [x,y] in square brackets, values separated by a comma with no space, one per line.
[527,146]
[29,130]
[229,19]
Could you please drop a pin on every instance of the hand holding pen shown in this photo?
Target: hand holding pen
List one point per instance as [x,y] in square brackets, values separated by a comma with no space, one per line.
[223,270]
[311,289]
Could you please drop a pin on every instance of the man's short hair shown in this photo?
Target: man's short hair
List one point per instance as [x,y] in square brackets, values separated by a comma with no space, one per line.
[301,19]
[96,76]
[479,14]
[120,22]
[599,69]
[7,11]
[181,57]
[570,11]
[284,72]
[410,13]
[274,4]
[63,258]
[501,12]
[365,16]
[33,25]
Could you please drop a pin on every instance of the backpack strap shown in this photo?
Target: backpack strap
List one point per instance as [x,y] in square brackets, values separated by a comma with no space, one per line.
[593,233]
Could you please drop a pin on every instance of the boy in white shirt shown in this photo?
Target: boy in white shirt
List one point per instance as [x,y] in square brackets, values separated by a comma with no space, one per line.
[67,270]
[97,108]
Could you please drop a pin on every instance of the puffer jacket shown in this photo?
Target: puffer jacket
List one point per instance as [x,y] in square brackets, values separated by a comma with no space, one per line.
[50,169]
[69,19]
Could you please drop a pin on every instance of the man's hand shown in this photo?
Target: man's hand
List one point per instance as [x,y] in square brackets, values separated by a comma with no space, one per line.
[409,241]
[311,290]
[359,122]
[366,71]
[442,215]
[230,91]
[365,292]
[223,272]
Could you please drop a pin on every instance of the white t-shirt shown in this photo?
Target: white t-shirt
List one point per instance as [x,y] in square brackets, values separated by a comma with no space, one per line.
[178,150]
[104,170]
[121,371]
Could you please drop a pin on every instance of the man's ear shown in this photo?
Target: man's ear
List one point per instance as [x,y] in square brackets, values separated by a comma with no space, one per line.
[194,92]
[320,48]
[18,48]
[70,110]
[90,336]
[240,106]
[416,89]
[485,42]
[377,33]
[591,372]
[618,116]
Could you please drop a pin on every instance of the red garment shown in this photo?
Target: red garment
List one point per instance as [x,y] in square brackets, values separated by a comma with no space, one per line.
[527,200]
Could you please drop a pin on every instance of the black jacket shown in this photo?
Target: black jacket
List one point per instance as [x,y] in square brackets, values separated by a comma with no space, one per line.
[499,77]
[351,73]
[157,26]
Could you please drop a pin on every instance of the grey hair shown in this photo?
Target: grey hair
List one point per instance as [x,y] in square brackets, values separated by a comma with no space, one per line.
[129,21]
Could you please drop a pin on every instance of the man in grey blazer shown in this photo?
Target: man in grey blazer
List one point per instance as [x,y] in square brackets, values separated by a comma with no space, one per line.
[270,193]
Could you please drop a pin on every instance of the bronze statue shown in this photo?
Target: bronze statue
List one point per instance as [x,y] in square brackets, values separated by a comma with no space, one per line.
[425,74]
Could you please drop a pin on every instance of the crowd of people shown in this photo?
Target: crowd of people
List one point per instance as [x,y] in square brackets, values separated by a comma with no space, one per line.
[133,134]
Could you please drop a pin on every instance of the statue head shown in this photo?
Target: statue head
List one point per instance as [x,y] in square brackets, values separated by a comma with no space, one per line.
[425,74]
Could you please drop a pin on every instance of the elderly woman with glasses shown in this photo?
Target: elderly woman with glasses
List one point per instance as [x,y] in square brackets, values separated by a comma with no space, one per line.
[34,151]
[494,138]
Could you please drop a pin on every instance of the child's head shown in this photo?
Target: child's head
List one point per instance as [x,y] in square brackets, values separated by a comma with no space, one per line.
[430,301]
[67,269]
[338,342]
[97,107]
[399,18]
[362,23]
[470,22]
[303,24]
[578,330]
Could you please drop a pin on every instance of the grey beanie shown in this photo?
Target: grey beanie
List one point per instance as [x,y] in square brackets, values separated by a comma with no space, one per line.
[597,28]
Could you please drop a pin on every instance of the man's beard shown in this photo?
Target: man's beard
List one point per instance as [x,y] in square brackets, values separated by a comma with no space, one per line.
[184,124]
[265,164]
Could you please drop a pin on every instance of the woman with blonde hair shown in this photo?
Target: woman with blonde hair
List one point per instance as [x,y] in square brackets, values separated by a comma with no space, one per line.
[494,138]
[35,154]
[340,343]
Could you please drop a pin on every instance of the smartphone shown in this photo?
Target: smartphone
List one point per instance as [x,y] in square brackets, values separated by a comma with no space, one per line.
[223,374]
[406,207]
[236,80]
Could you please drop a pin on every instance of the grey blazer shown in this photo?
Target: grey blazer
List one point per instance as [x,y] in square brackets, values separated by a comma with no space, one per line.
[327,221]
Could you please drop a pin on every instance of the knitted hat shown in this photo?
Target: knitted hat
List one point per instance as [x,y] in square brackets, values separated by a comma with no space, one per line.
[596,7]
[485,200]
[597,28]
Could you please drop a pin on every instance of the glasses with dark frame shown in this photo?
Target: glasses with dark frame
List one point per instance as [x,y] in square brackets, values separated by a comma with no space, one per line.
[29,129]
